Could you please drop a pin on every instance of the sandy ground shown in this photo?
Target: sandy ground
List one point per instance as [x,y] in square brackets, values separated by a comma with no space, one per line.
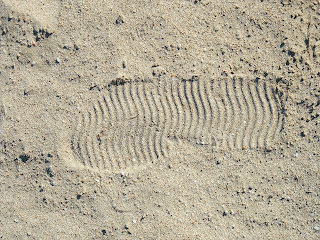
[159,119]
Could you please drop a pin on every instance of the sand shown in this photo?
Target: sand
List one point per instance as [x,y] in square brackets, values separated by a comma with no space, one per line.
[159,119]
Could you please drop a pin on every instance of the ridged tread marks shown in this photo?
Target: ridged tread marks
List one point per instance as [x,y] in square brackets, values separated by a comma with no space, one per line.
[239,107]
[187,113]
[204,109]
[134,127]
[265,116]
[248,111]
[108,144]
[125,124]
[154,122]
[142,117]
[156,119]
[129,124]
[233,117]
[280,119]
[193,123]
[223,113]
[196,105]
[95,144]
[170,112]
[101,147]
[165,112]
[259,114]
[178,107]
[112,124]
[86,144]
[274,115]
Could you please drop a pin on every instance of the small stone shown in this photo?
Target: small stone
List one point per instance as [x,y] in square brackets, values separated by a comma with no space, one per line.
[52,183]
[119,20]
[158,71]
[33,63]
[316,228]
[24,158]
[49,172]
[58,60]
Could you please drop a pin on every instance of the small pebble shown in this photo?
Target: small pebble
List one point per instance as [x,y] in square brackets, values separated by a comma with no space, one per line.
[33,63]
[58,60]
[316,228]
[52,183]
[119,20]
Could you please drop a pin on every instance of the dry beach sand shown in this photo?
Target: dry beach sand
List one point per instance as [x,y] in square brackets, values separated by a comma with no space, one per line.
[159,119]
